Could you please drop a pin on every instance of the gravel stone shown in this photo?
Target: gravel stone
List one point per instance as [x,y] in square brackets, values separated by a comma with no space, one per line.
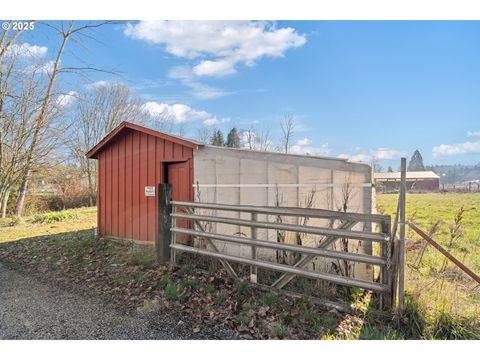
[33,309]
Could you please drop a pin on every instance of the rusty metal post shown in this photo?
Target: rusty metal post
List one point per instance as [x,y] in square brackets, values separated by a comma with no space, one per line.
[444,252]
[253,269]
[162,244]
[386,270]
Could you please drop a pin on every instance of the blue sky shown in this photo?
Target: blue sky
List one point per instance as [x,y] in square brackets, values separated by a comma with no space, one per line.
[359,89]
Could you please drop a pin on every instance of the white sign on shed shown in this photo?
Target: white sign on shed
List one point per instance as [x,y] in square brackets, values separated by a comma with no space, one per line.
[149,190]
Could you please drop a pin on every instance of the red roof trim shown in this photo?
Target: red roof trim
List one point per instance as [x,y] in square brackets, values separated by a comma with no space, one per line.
[92,153]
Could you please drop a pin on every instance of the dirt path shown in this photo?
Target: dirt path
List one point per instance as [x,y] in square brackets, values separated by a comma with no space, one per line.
[30,309]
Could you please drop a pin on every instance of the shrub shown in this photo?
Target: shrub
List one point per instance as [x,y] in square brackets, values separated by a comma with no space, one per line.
[10,221]
[55,216]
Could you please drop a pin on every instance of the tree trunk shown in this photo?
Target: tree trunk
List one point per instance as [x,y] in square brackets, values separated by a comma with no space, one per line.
[90,185]
[3,204]
[22,192]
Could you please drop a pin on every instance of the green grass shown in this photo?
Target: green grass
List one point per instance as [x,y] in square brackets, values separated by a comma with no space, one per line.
[164,281]
[248,306]
[243,319]
[55,216]
[244,288]
[190,283]
[185,270]
[210,288]
[13,229]
[278,331]
[426,209]
[142,257]
[271,299]
[446,295]
[171,292]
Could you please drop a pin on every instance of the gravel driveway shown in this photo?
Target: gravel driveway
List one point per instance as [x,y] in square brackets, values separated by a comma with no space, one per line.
[30,309]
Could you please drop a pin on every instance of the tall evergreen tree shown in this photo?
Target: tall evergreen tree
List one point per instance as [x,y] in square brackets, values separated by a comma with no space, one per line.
[390,169]
[416,162]
[233,140]
[217,138]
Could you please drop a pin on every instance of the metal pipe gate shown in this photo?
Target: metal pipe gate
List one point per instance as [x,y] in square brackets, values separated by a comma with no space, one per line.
[189,212]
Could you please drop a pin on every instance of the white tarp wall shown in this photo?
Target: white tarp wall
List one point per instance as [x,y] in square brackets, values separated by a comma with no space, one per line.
[244,177]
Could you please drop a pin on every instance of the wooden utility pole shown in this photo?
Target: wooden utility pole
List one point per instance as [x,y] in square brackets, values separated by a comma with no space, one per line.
[162,244]
[401,257]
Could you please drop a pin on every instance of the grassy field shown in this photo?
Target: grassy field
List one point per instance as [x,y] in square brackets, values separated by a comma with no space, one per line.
[453,219]
[12,229]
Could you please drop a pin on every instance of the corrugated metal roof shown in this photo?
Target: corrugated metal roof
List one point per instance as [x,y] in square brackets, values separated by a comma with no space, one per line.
[410,175]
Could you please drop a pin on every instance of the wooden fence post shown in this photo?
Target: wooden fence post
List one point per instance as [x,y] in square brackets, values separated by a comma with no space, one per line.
[164,223]
[401,243]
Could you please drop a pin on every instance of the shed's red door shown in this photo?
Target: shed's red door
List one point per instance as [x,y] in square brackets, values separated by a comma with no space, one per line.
[179,178]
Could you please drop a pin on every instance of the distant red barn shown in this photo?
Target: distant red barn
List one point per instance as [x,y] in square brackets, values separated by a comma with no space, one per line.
[132,161]
[426,181]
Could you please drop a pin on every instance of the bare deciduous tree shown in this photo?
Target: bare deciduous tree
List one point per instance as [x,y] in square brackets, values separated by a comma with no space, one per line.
[345,267]
[67,31]
[249,138]
[204,134]
[256,140]
[288,130]
[97,112]
[21,97]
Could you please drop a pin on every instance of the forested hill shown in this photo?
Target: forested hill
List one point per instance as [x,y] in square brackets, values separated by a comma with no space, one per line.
[456,173]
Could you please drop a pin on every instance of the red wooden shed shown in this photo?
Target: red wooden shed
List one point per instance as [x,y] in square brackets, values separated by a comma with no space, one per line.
[132,161]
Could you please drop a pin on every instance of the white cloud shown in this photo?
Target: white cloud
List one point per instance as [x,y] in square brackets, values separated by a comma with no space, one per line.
[204,91]
[304,141]
[97,84]
[197,89]
[221,45]
[43,68]
[473,133]
[377,154]
[360,158]
[26,50]
[301,147]
[214,68]
[386,154]
[180,113]
[64,100]
[215,121]
[457,149]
